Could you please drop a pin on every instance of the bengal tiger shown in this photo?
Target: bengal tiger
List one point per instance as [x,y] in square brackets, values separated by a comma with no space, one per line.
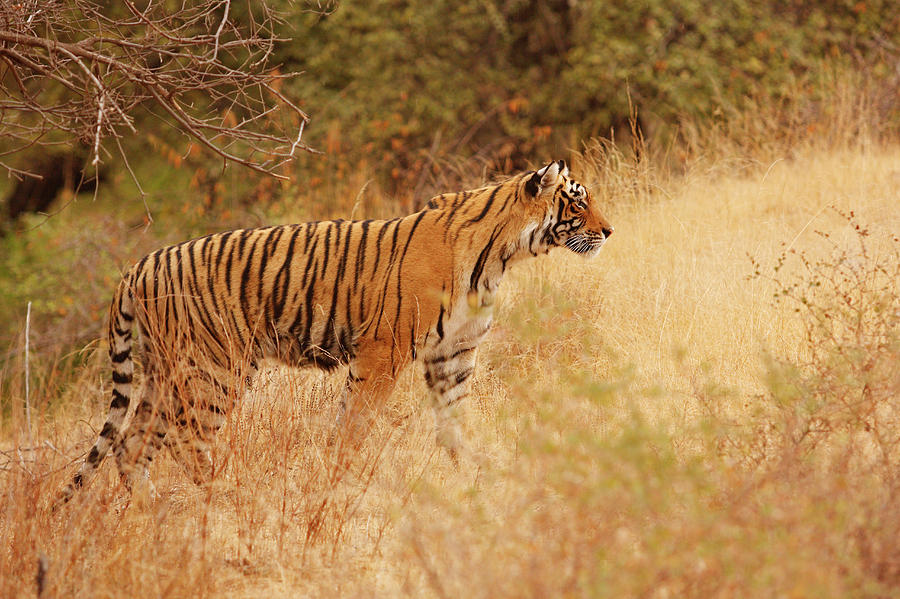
[373,295]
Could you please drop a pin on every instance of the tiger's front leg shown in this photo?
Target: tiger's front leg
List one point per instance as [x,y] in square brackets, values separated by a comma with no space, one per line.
[447,374]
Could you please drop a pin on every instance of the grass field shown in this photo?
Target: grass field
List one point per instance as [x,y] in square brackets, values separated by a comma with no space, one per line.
[653,423]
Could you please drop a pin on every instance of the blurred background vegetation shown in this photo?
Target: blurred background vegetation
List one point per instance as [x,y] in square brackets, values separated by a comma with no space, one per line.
[404,84]
[411,98]
[678,420]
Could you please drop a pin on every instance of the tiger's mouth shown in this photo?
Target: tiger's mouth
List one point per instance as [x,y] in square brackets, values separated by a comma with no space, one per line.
[586,244]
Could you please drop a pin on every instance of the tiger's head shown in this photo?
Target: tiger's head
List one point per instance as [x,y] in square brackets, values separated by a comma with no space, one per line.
[571,217]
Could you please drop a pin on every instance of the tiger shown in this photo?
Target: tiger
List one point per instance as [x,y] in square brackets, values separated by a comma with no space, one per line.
[368,295]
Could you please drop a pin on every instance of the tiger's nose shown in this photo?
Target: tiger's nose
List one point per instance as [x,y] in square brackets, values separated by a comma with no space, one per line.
[607,231]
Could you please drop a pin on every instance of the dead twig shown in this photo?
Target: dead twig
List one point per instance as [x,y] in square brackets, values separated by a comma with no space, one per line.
[83,68]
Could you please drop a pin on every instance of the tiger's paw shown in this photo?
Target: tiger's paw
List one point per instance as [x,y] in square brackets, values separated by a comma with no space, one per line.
[143,493]
[449,436]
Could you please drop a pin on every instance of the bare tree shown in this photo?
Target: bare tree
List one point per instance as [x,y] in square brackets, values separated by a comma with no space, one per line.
[81,69]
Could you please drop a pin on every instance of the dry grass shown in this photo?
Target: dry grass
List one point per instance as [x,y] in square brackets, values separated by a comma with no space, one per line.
[628,435]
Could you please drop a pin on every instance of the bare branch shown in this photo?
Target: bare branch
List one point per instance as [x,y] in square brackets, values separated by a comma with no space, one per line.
[82,67]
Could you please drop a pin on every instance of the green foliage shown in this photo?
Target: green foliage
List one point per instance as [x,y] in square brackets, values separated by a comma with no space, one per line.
[410,83]
[63,274]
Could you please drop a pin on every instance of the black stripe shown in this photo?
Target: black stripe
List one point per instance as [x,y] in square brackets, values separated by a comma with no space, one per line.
[179,283]
[454,355]
[390,266]
[345,345]
[453,213]
[309,312]
[228,263]
[461,397]
[486,208]
[306,283]
[154,276]
[164,285]
[514,197]
[452,382]
[310,233]
[559,212]
[331,335]
[196,300]
[461,377]
[440,322]
[121,378]
[351,329]
[119,401]
[143,296]
[382,230]
[140,265]
[343,261]
[242,241]
[482,259]
[400,273]
[361,253]
[216,409]
[237,329]
[272,240]
[410,236]
[237,253]
[214,267]
[244,301]
[121,356]
[327,247]
[223,241]
[92,458]
[362,307]
[394,242]
[279,295]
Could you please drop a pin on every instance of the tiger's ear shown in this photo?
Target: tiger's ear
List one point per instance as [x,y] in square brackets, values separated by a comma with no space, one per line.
[546,176]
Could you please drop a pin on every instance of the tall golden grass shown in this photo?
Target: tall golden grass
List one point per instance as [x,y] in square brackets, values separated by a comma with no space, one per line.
[669,420]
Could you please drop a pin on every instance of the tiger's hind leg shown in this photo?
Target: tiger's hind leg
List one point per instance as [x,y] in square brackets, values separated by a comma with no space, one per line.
[141,440]
[190,441]
[202,404]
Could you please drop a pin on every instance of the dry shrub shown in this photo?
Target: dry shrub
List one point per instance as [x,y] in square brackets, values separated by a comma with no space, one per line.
[842,387]
[595,469]
[833,412]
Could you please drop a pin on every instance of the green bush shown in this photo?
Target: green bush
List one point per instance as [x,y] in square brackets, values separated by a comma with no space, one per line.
[408,84]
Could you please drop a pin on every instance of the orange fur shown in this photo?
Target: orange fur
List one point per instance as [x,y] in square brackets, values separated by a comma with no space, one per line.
[372,294]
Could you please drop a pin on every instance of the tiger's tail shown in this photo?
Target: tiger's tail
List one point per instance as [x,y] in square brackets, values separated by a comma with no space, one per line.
[121,321]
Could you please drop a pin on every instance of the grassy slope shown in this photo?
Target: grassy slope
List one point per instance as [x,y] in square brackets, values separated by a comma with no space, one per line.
[595,466]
